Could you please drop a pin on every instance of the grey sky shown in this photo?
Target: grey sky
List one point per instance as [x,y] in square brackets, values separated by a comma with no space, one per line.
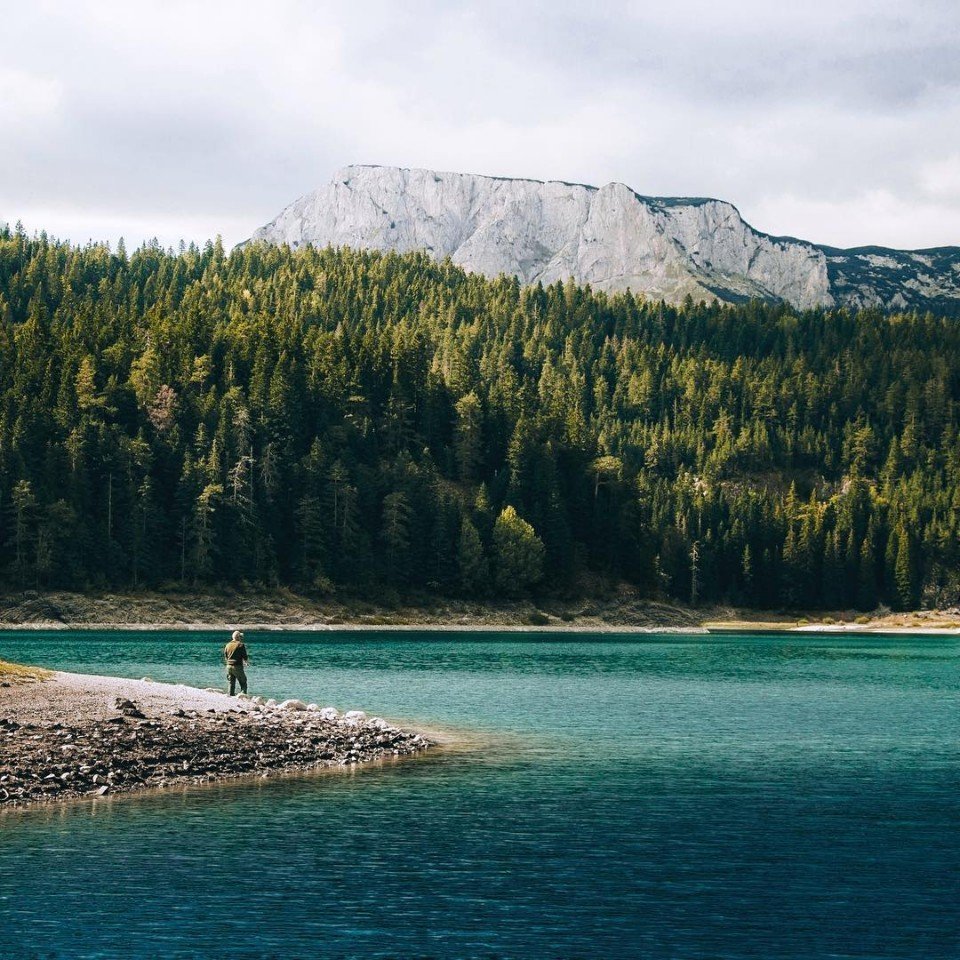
[838,122]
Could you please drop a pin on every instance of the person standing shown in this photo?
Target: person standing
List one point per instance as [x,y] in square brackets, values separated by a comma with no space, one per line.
[235,653]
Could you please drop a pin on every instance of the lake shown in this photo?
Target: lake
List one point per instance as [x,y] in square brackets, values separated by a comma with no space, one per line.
[608,796]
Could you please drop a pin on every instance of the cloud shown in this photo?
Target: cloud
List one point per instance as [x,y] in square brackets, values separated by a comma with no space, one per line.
[941,178]
[205,118]
[916,224]
[27,99]
[84,225]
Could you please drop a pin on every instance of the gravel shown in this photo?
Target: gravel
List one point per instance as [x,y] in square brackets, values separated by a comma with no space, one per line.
[74,735]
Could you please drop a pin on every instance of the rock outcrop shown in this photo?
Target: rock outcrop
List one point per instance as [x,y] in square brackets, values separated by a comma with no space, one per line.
[610,237]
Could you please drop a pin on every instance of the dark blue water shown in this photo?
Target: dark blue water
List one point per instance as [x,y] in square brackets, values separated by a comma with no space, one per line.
[663,797]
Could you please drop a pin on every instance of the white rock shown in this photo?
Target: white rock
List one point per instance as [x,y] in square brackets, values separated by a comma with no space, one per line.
[609,237]
[329,713]
[312,707]
[292,705]
[146,680]
[354,716]
[270,703]
[378,723]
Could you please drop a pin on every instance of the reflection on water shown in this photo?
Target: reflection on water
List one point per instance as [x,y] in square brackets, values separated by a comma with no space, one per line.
[662,797]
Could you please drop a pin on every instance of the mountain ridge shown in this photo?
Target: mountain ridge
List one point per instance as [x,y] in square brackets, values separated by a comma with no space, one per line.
[610,237]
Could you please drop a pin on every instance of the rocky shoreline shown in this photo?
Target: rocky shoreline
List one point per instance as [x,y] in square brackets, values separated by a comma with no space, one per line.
[282,610]
[72,736]
[623,611]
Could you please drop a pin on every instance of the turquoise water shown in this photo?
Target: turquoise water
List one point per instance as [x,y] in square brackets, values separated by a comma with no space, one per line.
[652,797]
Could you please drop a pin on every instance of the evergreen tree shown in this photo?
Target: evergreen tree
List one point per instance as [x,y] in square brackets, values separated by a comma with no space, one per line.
[395,534]
[517,554]
[467,436]
[903,572]
[472,564]
[867,590]
[24,506]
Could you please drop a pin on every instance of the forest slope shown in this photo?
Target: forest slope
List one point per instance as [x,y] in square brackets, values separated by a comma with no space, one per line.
[388,425]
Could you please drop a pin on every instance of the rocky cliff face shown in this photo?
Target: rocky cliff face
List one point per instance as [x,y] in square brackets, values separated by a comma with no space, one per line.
[609,237]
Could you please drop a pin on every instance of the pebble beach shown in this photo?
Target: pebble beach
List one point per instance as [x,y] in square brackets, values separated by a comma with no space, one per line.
[71,735]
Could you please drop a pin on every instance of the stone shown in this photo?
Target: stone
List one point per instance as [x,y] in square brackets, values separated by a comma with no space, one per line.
[312,707]
[127,707]
[292,705]
[355,716]
[270,703]
[610,237]
[329,713]
[168,749]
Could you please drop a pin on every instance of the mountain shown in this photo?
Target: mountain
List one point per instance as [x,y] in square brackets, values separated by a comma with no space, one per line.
[610,237]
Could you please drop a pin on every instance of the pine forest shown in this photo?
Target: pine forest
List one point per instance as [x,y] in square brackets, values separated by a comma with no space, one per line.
[385,426]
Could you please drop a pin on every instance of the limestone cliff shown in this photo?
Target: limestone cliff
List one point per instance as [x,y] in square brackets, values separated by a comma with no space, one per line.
[609,237]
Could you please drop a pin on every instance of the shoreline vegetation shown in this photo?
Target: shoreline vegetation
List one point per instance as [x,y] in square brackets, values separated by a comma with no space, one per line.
[69,736]
[283,610]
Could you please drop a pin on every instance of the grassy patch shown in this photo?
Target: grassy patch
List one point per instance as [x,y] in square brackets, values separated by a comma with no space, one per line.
[14,673]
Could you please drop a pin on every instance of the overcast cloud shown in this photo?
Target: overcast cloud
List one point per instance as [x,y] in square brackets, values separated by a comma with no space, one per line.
[838,122]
